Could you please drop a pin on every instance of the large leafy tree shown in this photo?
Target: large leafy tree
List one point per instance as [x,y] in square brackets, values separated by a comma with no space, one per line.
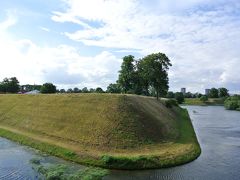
[48,88]
[179,97]
[126,74]
[223,92]
[141,81]
[10,85]
[76,90]
[13,86]
[213,93]
[170,94]
[99,90]
[154,72]
[113,88]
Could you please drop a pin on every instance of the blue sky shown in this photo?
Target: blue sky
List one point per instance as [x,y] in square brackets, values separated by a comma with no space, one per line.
[77,43]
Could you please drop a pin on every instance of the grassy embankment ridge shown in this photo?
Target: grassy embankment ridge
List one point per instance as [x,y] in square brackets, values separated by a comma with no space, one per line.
[105,130]
[209,102]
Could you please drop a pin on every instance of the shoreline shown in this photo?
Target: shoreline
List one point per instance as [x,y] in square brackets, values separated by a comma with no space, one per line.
[125,132]
[129,162]
[198,102]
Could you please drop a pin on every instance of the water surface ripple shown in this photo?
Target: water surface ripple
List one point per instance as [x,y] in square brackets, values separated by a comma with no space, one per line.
[218,132]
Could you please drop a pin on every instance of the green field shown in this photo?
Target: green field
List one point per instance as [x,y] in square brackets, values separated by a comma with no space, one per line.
[210,101]
[111,131]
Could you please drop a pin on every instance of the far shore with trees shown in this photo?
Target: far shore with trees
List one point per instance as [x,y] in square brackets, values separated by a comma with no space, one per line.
[147,76]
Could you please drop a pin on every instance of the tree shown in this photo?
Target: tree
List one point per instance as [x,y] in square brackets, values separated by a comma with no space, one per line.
[113,88]
[48,88]
[199,95]
[2,89]
[99,90]
[170,94]
[188,95]
[75,90]
[85,90]
[204,98]
[213,93]
[3,85]
[91,90]
[179,97]
[223,92]
[154,69]
[14,86]
[62,91]
[70,90]
[10,85]
[126,73]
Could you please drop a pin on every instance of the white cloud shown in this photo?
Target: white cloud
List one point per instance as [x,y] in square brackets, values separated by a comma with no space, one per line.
[10,21]
[62,65]
[200,36]
[44,29]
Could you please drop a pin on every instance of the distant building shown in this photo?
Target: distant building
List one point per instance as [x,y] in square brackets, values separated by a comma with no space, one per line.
[207,91]
[183,90]
[33,92]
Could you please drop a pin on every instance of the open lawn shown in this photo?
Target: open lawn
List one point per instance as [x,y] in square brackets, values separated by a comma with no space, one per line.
[106,130]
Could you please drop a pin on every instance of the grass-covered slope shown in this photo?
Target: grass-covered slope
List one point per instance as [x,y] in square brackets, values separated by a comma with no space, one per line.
[113,131]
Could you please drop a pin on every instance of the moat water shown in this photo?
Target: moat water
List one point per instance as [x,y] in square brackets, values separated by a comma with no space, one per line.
[218,132]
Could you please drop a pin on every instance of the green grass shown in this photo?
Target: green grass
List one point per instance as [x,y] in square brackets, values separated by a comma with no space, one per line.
[110,131]
[64,172]
[197,101]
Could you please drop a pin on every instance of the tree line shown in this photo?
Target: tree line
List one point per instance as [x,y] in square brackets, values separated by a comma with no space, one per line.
[213,93]
[11,85]
[144,76]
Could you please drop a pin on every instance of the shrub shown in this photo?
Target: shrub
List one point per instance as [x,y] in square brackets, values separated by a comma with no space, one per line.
[179,97]
[232,103]
[170,103]
[203,98]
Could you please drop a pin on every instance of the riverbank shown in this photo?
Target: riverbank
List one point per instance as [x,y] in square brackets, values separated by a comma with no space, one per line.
[218,133]
[147,135]
[209,102]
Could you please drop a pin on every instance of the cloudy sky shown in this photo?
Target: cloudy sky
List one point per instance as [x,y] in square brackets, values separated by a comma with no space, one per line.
[77,43]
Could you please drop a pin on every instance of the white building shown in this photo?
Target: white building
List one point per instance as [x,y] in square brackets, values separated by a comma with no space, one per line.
[207,91]
[33,92]
[183,90]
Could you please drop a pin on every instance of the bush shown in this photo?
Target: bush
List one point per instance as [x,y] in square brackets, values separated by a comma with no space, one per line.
[170,94]
[179,97]
[203,98]
[170,103]
[232,103]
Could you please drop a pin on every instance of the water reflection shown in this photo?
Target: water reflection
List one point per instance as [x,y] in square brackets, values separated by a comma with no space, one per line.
[15,161]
